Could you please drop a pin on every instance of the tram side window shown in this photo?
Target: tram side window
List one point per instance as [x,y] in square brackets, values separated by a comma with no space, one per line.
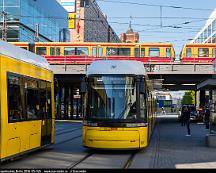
[188,52]
[154,52]
[15,99]
[41,51]
[203,52]
[32,99]
[45,100]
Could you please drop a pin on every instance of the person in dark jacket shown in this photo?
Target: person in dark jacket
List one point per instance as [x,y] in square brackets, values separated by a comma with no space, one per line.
[183,114]
[207,117]
[187,120]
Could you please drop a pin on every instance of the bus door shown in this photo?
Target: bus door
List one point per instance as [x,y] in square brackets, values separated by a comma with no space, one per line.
[46,113]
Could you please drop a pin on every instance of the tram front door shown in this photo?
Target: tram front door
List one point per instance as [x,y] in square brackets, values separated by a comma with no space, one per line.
[46,125]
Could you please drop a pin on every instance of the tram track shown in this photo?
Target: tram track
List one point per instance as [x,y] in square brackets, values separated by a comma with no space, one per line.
[68,140]
[81,160]
[130,160]
[68,131]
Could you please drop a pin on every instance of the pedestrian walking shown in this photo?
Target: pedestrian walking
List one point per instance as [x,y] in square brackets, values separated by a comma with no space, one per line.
[187,121]
[207,117]
[183,115]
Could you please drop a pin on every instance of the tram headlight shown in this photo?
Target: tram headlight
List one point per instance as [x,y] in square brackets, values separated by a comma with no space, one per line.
[136,124]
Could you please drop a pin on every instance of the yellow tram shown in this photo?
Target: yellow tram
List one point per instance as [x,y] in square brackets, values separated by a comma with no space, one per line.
[27,104]
[120,109]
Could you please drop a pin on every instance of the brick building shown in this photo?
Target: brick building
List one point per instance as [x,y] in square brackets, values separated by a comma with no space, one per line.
[130,36]
[90,23]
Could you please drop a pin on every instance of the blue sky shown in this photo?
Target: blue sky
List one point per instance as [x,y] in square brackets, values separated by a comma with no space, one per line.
[146,19]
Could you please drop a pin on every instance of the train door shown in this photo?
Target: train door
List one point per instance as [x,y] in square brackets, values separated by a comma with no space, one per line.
[46,112]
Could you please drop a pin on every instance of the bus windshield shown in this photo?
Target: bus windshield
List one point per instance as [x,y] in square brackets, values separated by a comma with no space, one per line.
[112,97]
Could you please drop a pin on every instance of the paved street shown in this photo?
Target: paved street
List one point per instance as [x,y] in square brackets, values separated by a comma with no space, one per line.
[169,148]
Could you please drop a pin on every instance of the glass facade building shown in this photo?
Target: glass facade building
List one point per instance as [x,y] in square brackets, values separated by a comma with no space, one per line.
[26,18]
[208,33]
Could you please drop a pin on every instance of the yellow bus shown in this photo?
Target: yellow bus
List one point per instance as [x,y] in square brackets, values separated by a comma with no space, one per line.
[27,104]
[120,109]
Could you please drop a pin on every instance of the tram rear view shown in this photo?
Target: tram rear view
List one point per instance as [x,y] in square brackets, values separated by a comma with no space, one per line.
[116,111]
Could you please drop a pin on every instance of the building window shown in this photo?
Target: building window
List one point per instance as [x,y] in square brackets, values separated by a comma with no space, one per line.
[154,52]
[188,52]
[203,52]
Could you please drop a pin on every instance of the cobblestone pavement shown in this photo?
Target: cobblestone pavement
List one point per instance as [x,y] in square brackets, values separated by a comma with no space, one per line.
[170,148]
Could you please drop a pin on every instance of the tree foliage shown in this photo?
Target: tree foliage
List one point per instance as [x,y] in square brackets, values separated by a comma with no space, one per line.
[189,97]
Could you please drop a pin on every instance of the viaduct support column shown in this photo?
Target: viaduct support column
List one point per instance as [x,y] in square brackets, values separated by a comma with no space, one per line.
[202,98]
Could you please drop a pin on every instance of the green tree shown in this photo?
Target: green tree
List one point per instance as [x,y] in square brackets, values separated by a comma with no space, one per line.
[189,97]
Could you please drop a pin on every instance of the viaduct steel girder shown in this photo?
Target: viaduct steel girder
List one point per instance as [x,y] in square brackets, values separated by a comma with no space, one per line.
[175,74]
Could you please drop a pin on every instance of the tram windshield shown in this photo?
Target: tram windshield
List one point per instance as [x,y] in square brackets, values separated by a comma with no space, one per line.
[112,97]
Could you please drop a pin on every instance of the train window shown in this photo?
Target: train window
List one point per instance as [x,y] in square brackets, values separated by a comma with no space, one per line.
[136,52]
[214,53]
[154,52]
[58,51]
[94,51]
[100,51]
[118,51]
[32,99]
[188,52]
[41,50]
[142,52]
[15,99]
[168,52]
[81,51]
[203,52]
[69,51]
[52,51]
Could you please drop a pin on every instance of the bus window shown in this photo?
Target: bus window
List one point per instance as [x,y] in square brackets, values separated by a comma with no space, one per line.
[100,52]
[142,52]
[82,51]
[32,105]
[168,52]
[94,51]
[52,50]
[188,52]
[48,100]
[41,50]
[69,51]
[213,53]
[15,99]
[118,51]
[203,52]
[154,52]
[136,52]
